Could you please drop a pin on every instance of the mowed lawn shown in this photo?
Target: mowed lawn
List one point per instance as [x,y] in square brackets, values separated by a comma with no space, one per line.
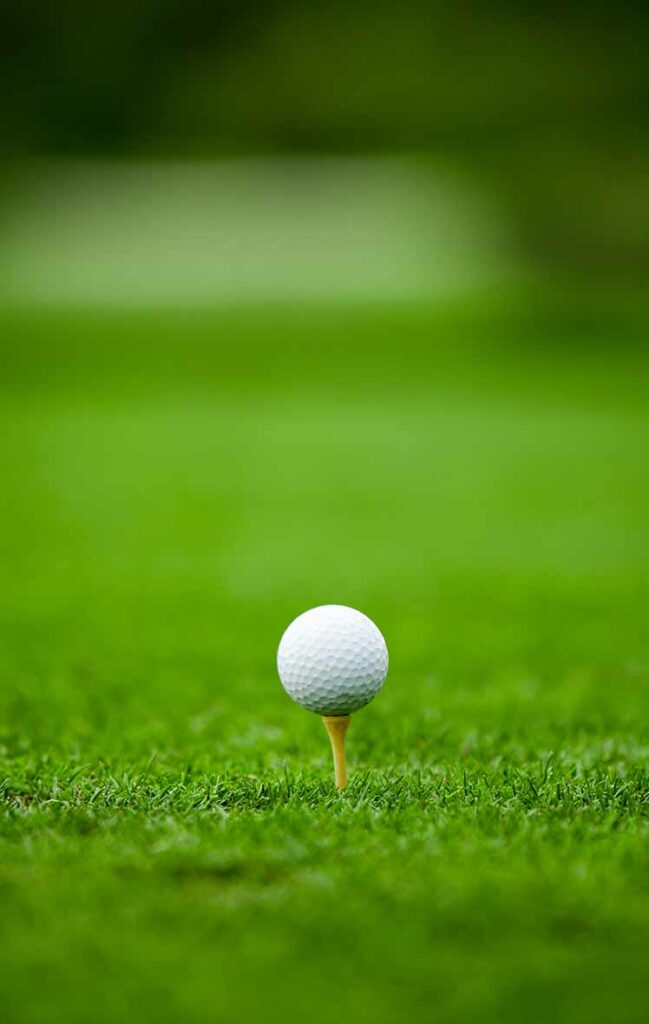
[174,488]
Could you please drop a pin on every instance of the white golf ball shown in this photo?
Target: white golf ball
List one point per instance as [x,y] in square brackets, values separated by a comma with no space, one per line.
[332,660]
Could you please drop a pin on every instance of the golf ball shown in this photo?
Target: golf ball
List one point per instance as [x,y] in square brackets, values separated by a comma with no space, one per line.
[332,660]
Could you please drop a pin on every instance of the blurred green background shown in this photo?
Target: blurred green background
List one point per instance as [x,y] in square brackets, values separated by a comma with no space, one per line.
[544,107]
[311,303]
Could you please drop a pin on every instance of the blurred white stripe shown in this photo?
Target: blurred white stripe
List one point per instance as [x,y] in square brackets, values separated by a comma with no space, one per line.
[241,230]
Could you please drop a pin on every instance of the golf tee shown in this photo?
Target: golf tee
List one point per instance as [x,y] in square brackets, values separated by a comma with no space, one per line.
[337,726]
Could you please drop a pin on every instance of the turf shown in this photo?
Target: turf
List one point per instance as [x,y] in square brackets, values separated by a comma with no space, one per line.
[175,488]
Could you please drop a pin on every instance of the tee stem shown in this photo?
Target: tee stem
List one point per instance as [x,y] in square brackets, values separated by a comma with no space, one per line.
[337,726]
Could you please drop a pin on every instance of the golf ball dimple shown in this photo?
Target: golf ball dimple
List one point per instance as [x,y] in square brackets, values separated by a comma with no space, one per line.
[332,660]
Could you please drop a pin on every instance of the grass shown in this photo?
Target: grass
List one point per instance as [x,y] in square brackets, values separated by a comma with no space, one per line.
[176,487]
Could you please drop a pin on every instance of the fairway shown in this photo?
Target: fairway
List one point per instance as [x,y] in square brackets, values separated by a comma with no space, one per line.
[177,486]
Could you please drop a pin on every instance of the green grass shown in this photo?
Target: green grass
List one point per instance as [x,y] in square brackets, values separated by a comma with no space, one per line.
[175,488]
